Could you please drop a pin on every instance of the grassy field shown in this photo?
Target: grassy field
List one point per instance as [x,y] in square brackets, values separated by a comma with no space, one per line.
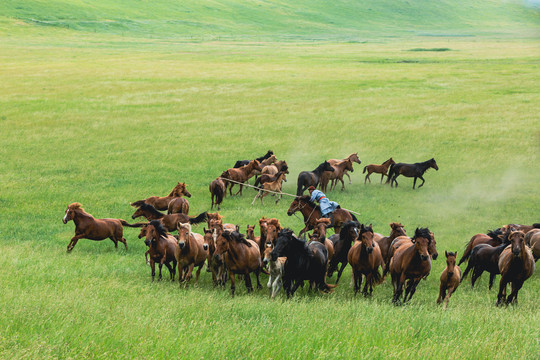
[100,105]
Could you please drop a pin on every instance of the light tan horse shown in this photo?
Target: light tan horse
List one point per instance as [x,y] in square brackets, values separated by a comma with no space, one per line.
[191,253]
[353,157]
[271,186]
[379,169]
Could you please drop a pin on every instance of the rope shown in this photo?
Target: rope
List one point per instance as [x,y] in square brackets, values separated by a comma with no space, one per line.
[274,192]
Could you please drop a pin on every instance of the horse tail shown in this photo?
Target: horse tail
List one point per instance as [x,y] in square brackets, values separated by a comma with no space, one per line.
[199,219]
[390,173]
[138,203]
[125,223]
[257,183]
[467,253]
[353,217]
[365,168]
[218,193]
[299,186]
[376,277]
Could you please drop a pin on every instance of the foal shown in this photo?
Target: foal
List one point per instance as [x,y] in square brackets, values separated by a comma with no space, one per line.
[272,186]
[450,279]
[379,169]
[276,268]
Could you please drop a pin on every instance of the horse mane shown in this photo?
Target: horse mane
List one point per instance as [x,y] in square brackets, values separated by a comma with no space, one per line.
[275,222]
[159,227]
[494,234]
[184,225]
[236,236]
[324,220]
[395,224]
[150,208]
[75,206]
[321,165]
[422,232]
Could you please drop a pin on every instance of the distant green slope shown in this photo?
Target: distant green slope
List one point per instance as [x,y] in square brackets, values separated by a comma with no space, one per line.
[299,18]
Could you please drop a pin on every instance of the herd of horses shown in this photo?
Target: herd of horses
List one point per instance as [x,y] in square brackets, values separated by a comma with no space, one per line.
[290,260]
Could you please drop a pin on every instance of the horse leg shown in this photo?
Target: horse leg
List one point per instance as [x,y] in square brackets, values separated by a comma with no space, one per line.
[153,267]
[160,267]
[408,289]
[73,242]
[491,280]
[365,290]
[414,182]
[476,274]
[501,296]
[257,273]
[348,177]
[442,293]
[398,286]
[382,177]
[247,280]
[367,178]
[342,183]
[516,285]
[255,198]
[233,285]
[124,242]
[270,285]
[447,297]
[197,274]
[423,181]
[169,267]
[189,273]
[173,270]
[340,271]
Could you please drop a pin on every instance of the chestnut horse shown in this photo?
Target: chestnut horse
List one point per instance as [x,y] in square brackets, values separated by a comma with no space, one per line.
[415,170]
[342,244]
[532,239]
[411,262]
[353,157]
[407,241]
[88,227]
[517,265]
[169,221]
[241,175]
[312,212]
[280,165]
[272,186]
[337,174]
[493,238]
[365,259]
[192,253]
[319,234]
[218,190]
[311,178]
[264,178]
[178,205]
[162,203]
[450,279]
[379,169]
[162,248]
[240,256]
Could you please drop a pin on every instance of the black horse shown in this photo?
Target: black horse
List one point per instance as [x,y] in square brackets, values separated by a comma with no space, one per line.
[311,178]
[342,244]
[304,262]
[415,170]
[241,163]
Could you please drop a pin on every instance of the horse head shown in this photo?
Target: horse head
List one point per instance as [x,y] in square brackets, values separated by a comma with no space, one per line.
[70,212]
[450,262]
[154,231]
[208,239]
[366,236]
[285,245]
[421,240]
[516,241]
[250,232]
[433,164]
[182,190]
[397,230]
[327,167]
[222,244]
[184,232]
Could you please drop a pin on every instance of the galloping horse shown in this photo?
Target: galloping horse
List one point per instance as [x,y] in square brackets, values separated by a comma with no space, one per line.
[353,157]
[272,186]
[450,279]
[412,263]
[485,257]
[365,259]
[241,163]
[162,203]
[311,178]
[280,165]
[493,238]
[192,252]
[276,268]
[240,256]
[415,170]
[218,190]
[270,177]
[312,212]
[386,242]
[517,265]
[169,221]
[88,227]
[162,248]
[342,244]
[337,174]
[240,175]
[379,169]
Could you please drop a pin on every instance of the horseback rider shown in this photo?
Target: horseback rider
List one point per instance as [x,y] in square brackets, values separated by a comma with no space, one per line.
[327,206]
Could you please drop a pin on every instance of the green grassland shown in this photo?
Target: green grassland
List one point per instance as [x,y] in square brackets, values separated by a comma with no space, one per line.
[108,102]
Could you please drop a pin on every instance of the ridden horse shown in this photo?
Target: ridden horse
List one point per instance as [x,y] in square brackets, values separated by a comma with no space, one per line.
[493,238]
[241,163]
[319,234]
[484,257]
[337,174]
[240,175]
[218,190]
[264,178]
[365,259]
[312,212]
[192,253]
[169,221]
[162,248]
[162,202]
[88,227]
[311,178]
[342,244]
[517,265]
[532,239]
[411,262]
[276,268]
[450,279]
[240,256]
[386,242]
[178,205]
[379,169]
[353,157]
[304,262]
[415,170]
[272,186]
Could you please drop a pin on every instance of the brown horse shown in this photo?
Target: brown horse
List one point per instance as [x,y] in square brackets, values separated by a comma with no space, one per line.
[216,226]
[273,169]
[162,248]
[386,242]
[342,244]
[218,190]
[339,170]
[450,279]
[170,221]
[532,239]
[365,259]
[178,205]
[411,262]
[353,157]
[415,170]
[516,227]
[192,253]
[274,186]
[517,265]
[272,231]
[312,212]
[240,256]
[379,169]
[493,238]
[162,202]
[264,178]
[240,175]
[319,234]
[88,227]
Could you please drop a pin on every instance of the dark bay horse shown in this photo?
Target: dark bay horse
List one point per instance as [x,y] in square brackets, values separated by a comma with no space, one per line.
[365,259]
[162,202]
[241,163]
[517,265]
[450,279]
[304,262]
[162,248]
[311,178]
[319,234]
[493,238]
[88,227]
[411,262]
[170,221]
[415,170]
[218,190]
[342,244]
[312,212]
[484,257]
[379,169]
[240,256]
